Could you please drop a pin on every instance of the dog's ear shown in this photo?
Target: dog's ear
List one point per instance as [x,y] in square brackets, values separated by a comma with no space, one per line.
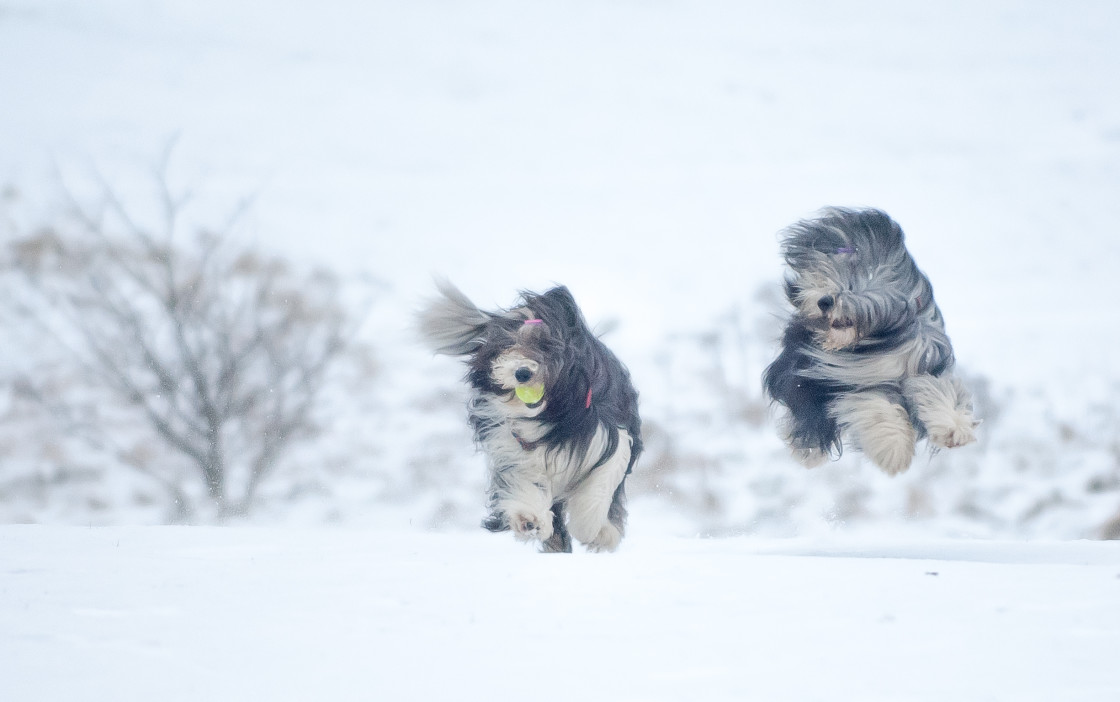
[557,308]
[560,298]
[793,290]
[451,324]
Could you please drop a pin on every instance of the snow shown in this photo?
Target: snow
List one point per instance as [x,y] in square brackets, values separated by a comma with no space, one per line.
[651,151]
[190,613]
[645,154]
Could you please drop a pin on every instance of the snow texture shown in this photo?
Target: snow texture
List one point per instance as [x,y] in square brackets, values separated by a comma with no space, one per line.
[192,613]
[645,155]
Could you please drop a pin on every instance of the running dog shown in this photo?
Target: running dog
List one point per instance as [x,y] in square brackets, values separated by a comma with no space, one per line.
[552,409]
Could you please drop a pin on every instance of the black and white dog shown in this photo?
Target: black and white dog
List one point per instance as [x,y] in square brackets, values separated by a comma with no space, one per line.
[552,409]
[865,353]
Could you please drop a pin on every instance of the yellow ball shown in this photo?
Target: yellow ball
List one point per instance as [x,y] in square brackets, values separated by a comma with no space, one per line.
[530,394]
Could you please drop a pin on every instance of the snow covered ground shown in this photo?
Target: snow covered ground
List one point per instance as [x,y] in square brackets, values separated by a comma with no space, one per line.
[192,613]
[645,154]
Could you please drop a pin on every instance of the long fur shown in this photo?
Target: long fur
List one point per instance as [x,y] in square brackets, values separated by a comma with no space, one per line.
[864,355]
[557,465]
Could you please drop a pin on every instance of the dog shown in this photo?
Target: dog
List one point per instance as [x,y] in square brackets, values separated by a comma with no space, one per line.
[864,356]
[552,409]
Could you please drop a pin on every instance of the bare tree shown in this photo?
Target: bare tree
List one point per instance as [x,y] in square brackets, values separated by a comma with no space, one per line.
[220,354]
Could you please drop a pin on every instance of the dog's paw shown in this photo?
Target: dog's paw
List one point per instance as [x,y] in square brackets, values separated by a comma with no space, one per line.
[955,434]
[893,462]
[607,539]
[559,542]
[891,447]
[495,521]
[529,526]
[809,457]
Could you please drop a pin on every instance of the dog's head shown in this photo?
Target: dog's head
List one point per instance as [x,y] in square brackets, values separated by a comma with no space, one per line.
[850,276]
[521,354]
[521,357]
[540,361]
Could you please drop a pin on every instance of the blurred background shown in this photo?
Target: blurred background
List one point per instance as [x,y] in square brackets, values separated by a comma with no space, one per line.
[219,218]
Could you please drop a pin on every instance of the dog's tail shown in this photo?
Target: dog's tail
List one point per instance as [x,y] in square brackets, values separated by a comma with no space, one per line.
[451,324]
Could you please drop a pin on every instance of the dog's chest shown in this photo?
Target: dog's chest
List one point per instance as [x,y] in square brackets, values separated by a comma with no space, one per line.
[518,443]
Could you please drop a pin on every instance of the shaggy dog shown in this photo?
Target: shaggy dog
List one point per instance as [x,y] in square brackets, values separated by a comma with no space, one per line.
[552,409]
[865,354]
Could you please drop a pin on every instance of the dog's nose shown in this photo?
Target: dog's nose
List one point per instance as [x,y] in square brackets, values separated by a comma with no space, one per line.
[523,374]
[826,303]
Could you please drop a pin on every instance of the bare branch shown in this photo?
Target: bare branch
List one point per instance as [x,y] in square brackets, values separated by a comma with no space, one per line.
[221,354]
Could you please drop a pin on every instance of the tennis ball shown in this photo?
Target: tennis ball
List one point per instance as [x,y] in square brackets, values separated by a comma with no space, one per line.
[530,394]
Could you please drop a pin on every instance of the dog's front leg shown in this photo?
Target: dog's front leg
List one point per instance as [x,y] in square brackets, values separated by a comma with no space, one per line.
[524,496]
[943,407]
[880,426]
[590,503]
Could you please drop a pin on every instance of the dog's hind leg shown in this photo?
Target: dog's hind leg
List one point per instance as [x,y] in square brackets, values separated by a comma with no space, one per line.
[805,444]
[495,521]
[560,541]
[943,407]
[808,428]
[880,426]
[592,503]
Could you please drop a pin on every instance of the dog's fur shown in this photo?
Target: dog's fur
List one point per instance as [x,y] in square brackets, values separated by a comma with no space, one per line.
[865,355]
[558,465]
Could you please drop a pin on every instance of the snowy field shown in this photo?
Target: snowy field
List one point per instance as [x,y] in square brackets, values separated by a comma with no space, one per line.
[646,154]
[193,613]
